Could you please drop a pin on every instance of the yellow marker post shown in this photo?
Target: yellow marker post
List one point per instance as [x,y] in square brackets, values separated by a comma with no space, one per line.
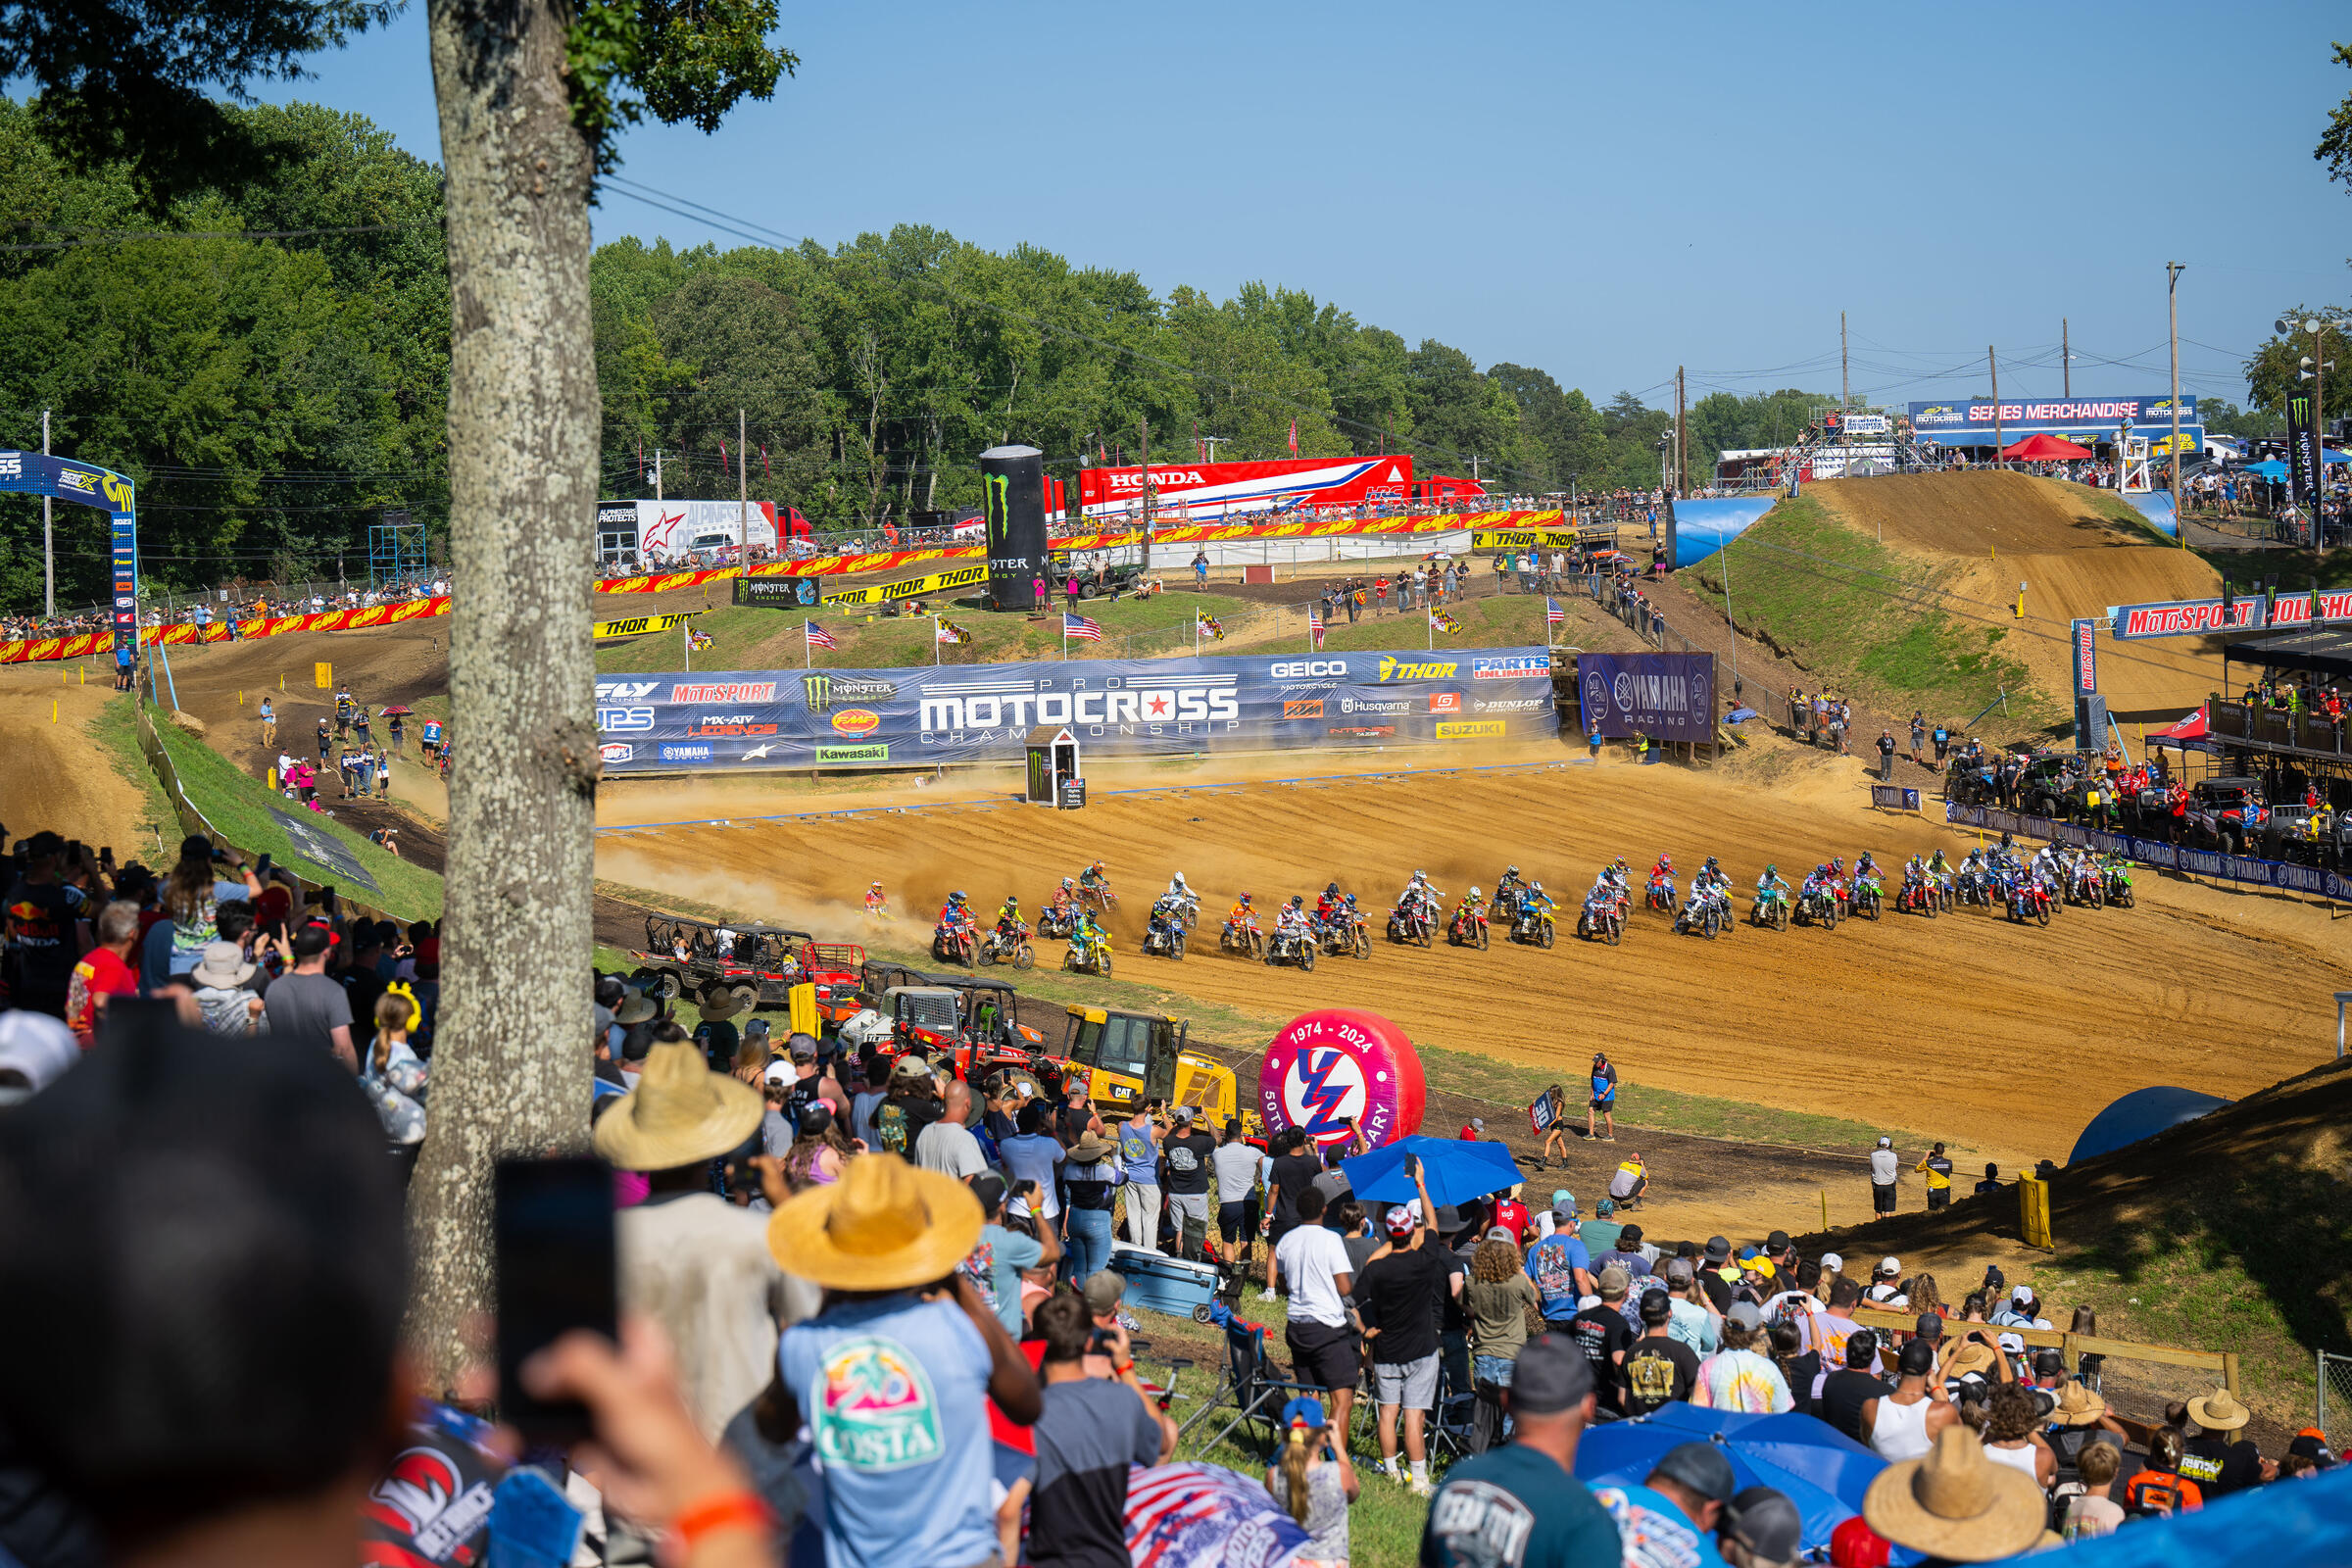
[52,709]
[324,676]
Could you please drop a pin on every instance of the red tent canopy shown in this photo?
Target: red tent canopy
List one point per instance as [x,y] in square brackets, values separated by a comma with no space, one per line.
[2044,448]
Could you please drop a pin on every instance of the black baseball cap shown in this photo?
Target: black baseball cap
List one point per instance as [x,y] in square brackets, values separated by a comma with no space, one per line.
[989,1188]
[1700,1468]
[1549,1375]
[1764,1521]
[1918,1358]
[1777,1242]
[1719,1250]
[1655,1309]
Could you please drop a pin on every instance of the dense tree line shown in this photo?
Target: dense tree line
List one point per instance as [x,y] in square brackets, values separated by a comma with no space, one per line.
[269,360]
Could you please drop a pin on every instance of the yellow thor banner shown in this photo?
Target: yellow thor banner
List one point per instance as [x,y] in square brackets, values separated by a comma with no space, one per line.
[638,625]
[913,587]
[1513,538]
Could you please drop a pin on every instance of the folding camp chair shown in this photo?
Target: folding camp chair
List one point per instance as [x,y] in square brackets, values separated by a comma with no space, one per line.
[1250,1384]
[1453,1425]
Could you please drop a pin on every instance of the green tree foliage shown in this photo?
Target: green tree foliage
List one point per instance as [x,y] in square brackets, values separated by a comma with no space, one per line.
[2272,368]
[2335,143]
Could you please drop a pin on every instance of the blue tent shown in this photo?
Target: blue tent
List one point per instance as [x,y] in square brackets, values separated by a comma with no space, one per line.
[2141,1114]
[1821,1469]
[2303,1521]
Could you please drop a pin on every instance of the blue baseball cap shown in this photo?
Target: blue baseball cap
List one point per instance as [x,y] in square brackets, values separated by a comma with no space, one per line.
[1303,1409]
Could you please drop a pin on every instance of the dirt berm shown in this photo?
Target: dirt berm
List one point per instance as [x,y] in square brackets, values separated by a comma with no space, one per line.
[1904,587]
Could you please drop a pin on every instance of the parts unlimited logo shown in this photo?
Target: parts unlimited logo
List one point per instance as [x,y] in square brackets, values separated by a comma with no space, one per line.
[1511,668]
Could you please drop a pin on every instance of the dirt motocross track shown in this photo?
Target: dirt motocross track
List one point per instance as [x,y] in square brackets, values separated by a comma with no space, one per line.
[1991,531]
[2004,1038]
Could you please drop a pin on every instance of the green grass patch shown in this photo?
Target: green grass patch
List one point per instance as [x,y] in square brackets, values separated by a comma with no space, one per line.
[116,732]
[238,807]
[1863,619]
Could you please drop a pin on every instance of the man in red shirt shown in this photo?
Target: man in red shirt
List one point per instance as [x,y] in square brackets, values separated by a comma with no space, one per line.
[1473,1130]
[1511,1214]
[104,971]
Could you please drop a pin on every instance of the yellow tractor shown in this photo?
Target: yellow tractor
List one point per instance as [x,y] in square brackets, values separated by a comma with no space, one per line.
[1128,1057]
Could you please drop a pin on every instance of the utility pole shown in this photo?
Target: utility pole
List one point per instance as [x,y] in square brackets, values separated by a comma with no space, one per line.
[1212,442]
[48,540]
[742,497]
[1994,366]
[656,473]
[1144,428]
[1846,384]
[2066,361]
[1682,437]
[2172,299]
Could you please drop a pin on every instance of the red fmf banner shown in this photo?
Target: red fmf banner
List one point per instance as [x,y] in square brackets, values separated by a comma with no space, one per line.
[46,648]
[2197,618]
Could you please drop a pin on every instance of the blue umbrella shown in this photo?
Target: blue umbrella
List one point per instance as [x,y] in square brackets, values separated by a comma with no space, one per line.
[1821,1469]
[1457,1170]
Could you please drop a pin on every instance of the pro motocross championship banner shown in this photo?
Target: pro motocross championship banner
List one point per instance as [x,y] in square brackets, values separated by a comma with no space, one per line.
[2284,875]
[1667,696]
[919,715]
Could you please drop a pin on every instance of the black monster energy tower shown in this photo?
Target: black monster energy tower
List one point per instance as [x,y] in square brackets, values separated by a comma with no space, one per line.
[1012,496]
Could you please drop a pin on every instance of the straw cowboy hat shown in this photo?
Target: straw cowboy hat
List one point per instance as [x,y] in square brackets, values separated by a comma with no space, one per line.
[2078,1406]
[1091,1148]
[636,1008]
[679,1112]
[2218,1411]
[719,1009]
[1956,1503]
[884,1226]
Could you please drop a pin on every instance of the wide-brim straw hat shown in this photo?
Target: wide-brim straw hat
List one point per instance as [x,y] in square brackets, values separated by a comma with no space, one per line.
[884,1226]
[635,1009]
[2218,1411]
[726,1004]
[1956,1503]
[1090,1149]
[679,1112]
[2078,1406]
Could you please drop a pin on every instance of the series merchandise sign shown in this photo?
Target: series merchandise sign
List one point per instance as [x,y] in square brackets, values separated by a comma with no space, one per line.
[2284,875]
[1667,696]
[923,715]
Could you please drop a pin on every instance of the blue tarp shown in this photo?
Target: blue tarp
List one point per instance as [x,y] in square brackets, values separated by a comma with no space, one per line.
[2287,1521]
[2141,1114]
[1704,528]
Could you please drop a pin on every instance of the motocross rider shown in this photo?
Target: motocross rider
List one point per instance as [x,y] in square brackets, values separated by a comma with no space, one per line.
[1606,887]
[1532,902]
[1241,917]
[1009,916]
[1094,879]
[1472,905]
[1507,887]
[1291,922]
[956,914]
[1770,885]
[1663,873]
[1331,906]
[1421,893]
[1086,935]
[875,900]
[1180,894]
[1865,866]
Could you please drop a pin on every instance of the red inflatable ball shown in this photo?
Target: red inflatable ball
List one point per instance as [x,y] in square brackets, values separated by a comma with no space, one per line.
[1340,1062]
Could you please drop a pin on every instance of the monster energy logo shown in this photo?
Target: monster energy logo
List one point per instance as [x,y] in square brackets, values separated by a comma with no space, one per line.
[822,691]
[996,501]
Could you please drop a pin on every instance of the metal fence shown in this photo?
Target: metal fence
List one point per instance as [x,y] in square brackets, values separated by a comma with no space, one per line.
[2333,1391]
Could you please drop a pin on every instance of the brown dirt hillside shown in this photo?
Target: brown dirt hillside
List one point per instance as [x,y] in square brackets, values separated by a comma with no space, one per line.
[59,776]
[2080,551]
[2011,1038]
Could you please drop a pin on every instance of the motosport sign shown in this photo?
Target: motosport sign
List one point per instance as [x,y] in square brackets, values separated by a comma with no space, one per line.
[1667,696]
[925,715]
[2198,617]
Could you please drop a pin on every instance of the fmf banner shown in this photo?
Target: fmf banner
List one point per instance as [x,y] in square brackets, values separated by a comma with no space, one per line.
[912,587]
[2196,618]
[1120,708]
[45,647]
[1667,696]
[2284,875]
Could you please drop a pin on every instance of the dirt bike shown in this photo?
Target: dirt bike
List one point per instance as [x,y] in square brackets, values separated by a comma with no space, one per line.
[1604,922]
[1243,937]
[1188,914]
[1976,888]
[1083,956]
[1409,925]
[1769,909]
[951,945]
[1707,914]
[2118,886]
[2029,900]
[1817,906]
[1864,901]
[2087,887]
[1057,923]
[1467,929]
[1660,896]
[1101,900]
[1344,936]
[1916,898]
[1164,936]
[1531,923]
[1009,946]
[1292,947]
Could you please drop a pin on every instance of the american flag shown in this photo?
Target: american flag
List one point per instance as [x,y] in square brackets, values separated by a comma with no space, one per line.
[1553,615]
[1183,1516]
[1314,623]
[818,637]
[1078,626]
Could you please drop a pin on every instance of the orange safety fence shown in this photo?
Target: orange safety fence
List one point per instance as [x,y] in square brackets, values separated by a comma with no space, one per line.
[28,651]
[1183,534]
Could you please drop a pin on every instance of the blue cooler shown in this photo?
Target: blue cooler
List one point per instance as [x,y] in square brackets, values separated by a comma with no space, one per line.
[1162,1283]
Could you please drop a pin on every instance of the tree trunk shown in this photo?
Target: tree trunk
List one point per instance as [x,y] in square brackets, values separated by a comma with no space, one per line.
[512,1057]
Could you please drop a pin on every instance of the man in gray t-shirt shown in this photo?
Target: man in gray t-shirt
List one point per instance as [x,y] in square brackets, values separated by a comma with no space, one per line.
[1236,1164]
[306,1008]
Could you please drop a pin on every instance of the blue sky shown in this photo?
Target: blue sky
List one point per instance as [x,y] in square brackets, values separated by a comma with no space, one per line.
[1602,192]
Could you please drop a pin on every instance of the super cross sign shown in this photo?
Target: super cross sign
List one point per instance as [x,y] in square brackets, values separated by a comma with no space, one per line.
[85,484]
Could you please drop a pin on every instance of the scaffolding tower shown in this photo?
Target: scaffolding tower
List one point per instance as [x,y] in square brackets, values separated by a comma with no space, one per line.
[395,550]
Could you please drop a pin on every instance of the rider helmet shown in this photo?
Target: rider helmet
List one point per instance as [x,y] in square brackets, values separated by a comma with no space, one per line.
[1420,876]
[1474,890]
[956,896]
[1511,871]
[2006,841]
[1837,862]
[1331,890]
[1069,882]
[1297,899]
[1245,897]
[874,887]
[1013,900]
[1534,887]
[1772,871]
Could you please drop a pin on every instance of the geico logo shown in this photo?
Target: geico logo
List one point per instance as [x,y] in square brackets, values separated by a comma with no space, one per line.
[624,691]
[1175,705]
[1398,669]
[1306,668]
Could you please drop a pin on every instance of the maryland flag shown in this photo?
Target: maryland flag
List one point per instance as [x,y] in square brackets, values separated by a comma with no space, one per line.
[949,632]
[1444,622]
[1210,626]
[697,640]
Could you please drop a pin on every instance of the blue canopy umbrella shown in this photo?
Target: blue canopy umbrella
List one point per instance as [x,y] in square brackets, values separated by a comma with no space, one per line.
[1821,1469]
[1457,1170]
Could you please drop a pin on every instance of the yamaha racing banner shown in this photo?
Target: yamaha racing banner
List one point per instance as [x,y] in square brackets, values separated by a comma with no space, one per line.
[1667,696]
[922,715]
[2284,875]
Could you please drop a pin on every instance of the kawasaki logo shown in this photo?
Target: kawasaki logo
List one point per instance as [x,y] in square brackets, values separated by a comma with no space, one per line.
[1391,669]
[854,754]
